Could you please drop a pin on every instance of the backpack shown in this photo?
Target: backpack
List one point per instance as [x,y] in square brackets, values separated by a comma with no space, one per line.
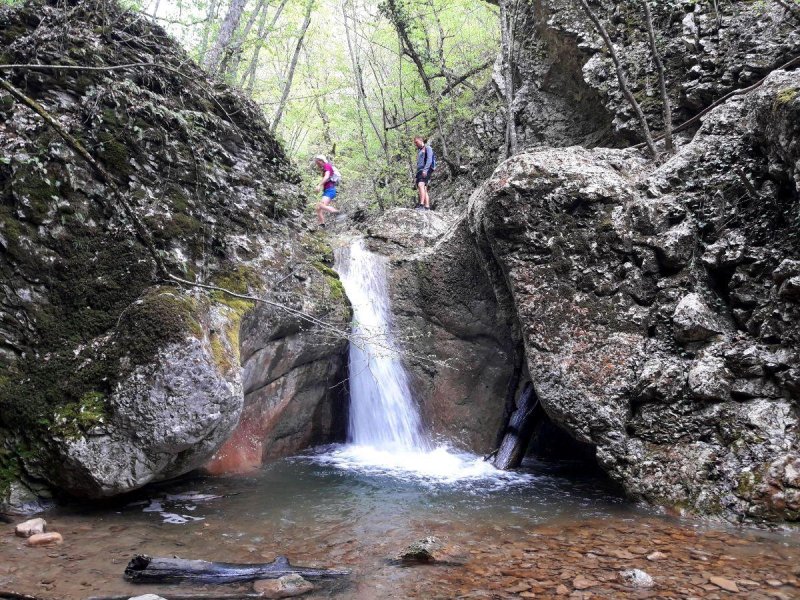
[335,177]
[433,159]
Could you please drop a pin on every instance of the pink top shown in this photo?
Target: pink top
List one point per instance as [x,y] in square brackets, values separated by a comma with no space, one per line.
[328,168]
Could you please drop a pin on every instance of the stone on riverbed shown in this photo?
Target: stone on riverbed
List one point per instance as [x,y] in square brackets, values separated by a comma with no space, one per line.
[637,578]
[425,550]
[31,527]
[147,597]
[45,539]
[287,586]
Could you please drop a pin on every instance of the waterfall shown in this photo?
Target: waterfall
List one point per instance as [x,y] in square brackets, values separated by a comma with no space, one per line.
[385,434]
[383,414]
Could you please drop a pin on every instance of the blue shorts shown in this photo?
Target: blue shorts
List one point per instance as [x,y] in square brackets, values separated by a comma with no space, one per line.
[330,194]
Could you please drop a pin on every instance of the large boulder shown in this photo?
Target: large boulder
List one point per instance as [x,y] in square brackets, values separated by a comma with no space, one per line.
[111,376]
[678,366]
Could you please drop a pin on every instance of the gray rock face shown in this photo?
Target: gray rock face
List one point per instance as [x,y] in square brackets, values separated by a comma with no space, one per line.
[165,419]
[110,379]
[293,376]
[459,342]
[651,306]
[568,91]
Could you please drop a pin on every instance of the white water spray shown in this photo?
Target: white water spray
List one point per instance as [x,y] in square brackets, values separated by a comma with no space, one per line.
[385,434]
[382,410]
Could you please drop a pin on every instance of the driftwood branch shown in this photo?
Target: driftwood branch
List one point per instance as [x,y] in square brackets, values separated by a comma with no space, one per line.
[187,596]
[686,124]
[623,80]
[144,569]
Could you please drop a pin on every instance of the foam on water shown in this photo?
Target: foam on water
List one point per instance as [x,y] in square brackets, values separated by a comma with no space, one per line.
[442,465]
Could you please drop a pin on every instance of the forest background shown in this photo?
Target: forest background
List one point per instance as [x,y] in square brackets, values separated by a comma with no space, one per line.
[352,79]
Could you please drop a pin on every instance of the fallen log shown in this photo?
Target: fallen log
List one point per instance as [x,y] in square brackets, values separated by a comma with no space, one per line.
[189,596]
[144,569]
[518,432]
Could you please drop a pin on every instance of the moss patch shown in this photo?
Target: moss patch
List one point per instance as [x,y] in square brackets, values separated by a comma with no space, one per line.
[75,419]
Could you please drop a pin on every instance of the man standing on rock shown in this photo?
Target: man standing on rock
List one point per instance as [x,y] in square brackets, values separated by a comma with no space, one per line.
[426,163]
[328,188]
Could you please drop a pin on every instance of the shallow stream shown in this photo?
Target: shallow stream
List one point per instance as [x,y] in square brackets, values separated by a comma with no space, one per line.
[539,533]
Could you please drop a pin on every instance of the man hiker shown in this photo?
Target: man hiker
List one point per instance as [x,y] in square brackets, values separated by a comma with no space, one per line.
[426,163]
[328,188]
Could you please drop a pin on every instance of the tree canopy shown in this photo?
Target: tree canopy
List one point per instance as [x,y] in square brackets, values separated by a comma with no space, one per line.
[352,79]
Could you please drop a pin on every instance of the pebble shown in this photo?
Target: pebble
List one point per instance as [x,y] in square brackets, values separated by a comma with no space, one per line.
[287,586]
[724,583]
[656,556]
[582,583]
[31,527]
[147,597]
[45,539]
[637,578]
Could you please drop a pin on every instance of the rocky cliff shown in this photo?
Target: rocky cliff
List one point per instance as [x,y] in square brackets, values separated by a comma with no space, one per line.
[653,303]
[111,375]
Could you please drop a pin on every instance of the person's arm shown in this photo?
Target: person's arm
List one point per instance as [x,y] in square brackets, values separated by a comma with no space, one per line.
[428,161]
[326,175]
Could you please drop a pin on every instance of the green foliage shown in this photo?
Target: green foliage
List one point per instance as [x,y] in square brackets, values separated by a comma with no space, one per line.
[370,138]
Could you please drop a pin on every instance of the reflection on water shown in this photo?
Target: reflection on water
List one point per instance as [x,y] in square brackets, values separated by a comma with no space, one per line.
[335,509]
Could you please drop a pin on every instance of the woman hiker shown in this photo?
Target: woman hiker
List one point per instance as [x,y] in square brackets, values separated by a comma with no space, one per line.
[328,188]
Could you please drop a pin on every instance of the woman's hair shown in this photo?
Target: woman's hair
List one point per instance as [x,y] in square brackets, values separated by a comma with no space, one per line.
[321,157]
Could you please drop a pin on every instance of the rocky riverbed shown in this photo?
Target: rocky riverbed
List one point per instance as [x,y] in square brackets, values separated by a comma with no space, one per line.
[550,535]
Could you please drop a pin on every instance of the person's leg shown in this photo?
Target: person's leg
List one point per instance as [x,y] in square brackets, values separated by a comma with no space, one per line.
[421,193]
[320,215]
[427,198]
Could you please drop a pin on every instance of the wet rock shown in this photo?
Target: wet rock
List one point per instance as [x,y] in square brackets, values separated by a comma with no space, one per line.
[790,290]
[637,578]
[724,583]
[287,586]
[45,539]
[694,321]
[31,527]
[425,550]
[583,583]
[657,555]
[142,380]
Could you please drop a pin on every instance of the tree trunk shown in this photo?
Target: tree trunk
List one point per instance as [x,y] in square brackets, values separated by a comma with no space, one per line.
[249,78]
[623,81]
[507,44]
[226,32]
[662,79]
[292,66]
[210,17]
[519,430]
[233,58]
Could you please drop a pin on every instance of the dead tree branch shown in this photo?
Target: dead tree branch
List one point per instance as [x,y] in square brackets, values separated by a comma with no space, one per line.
[686,124]
[623,80]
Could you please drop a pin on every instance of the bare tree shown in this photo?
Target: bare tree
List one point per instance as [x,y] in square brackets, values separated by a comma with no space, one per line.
[623,81]
[229,25]
[249,78]
[287,88]
[211,16]
[507,44]
[662,78]
[233,55]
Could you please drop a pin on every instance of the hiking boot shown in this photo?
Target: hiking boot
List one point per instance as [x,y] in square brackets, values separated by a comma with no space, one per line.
[419,207]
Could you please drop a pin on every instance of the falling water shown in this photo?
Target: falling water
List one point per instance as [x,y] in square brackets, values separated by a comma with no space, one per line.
[382,410]
[386,435]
